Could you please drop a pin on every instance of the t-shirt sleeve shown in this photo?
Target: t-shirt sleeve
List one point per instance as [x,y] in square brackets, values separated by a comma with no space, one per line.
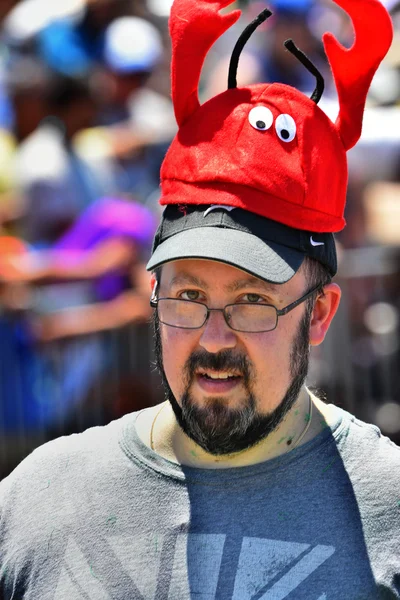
[24,506]
[7,486]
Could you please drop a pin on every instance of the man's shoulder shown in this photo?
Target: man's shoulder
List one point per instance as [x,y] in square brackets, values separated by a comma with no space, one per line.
[57,484]
[368,449]
[63,459]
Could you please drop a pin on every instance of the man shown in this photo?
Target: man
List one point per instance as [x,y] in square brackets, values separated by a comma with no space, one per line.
[242,485]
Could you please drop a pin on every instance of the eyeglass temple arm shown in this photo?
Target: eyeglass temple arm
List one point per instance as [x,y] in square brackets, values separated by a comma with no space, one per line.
[284,311]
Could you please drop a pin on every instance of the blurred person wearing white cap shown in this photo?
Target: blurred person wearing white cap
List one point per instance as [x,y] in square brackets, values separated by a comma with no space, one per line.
[132,50]
[138,121]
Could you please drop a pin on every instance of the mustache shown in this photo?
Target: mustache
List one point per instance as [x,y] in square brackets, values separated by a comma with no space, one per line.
[226,360]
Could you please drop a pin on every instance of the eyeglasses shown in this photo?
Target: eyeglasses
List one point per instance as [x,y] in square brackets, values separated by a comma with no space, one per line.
[243,316]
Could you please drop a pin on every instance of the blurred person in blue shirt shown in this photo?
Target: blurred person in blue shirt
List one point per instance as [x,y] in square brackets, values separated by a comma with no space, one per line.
[72,46]
[139,120]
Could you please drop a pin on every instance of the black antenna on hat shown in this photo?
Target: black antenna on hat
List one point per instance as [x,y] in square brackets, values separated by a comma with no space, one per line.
[240,44]
[319,90]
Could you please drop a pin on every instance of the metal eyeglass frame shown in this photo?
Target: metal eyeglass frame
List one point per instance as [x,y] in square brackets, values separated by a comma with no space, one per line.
[280,312]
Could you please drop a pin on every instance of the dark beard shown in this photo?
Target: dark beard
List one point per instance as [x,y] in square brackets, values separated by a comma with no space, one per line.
[216,427]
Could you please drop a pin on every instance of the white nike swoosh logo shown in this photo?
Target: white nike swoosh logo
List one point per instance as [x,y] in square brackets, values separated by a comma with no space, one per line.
[316,243]
[218,206]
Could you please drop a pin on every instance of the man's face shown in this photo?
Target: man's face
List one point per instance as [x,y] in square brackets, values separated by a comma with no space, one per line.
[223,416]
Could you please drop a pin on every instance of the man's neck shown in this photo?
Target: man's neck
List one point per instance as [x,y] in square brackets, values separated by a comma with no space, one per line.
[158,427]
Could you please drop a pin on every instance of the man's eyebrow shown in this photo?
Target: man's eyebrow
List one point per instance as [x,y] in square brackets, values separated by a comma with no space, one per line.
[252,282]
[239,284]
[186,278]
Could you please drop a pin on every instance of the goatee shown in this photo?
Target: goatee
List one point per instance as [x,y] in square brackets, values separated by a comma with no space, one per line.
[217,427]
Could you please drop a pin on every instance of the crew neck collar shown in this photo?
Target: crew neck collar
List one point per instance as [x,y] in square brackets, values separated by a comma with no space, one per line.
[148,459]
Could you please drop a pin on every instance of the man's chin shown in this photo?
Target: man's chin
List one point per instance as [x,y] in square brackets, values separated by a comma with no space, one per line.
[216,414]
[221,404]
[219,428]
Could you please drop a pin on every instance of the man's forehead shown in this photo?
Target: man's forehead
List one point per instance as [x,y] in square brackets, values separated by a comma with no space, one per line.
[209,274]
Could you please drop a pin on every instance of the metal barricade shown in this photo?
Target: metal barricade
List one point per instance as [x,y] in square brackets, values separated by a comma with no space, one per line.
[357,366]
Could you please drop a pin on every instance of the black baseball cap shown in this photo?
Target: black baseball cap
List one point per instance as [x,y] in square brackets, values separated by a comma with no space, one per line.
[262,247]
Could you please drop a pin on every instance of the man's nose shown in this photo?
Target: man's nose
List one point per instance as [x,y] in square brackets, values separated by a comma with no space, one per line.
[216,335]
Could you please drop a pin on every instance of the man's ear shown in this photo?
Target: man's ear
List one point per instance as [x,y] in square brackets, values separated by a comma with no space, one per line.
[153,283]
[325,308]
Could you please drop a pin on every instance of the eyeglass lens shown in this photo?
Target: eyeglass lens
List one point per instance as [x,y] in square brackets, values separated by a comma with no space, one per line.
[241,317]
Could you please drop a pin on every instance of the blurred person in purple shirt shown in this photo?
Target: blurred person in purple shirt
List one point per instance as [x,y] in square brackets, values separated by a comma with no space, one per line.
[104,250]
[92,280]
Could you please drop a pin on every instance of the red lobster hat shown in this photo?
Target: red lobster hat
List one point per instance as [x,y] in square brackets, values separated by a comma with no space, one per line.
[266,150]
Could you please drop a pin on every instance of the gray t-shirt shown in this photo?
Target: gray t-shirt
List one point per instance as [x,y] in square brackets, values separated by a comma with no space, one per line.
[100,516]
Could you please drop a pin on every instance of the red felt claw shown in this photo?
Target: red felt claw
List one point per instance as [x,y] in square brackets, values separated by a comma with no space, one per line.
[194,26]
[354,68]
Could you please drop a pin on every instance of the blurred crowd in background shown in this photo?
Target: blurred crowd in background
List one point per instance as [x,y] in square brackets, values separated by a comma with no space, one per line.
[85,121]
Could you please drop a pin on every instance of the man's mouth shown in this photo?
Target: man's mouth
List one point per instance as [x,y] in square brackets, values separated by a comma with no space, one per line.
[218,375]
[218,381]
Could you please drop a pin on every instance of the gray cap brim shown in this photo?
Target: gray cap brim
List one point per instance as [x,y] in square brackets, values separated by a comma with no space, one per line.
[267,260]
